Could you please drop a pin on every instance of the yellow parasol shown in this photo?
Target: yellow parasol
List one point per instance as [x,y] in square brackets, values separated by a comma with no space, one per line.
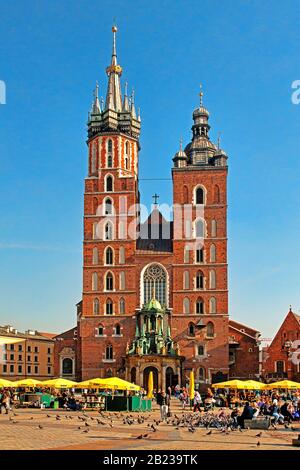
[115,383]
[5,383]
[59,383]
[253,385]
[286,384]
[234,384]
[150,385]
[192,385]
[86,384]
[30,383]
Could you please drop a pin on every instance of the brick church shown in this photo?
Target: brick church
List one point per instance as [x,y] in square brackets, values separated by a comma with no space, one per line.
[155,293]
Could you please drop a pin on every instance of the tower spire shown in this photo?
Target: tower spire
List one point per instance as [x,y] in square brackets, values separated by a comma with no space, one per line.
[114,71]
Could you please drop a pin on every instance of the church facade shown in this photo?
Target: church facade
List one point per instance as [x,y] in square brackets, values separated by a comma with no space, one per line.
[155,293]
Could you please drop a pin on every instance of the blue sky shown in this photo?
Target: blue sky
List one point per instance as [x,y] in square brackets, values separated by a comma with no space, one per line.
[246,54]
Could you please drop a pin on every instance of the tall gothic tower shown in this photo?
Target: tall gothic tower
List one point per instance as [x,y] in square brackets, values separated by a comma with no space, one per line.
[200,291]
[110,221]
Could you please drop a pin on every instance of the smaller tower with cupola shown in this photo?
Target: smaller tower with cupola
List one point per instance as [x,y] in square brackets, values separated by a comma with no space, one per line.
[200,290]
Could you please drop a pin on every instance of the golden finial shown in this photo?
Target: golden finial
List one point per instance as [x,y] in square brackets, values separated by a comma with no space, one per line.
[201,95]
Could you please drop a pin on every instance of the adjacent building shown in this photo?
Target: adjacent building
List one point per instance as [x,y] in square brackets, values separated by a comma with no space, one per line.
[26,355]
[281,360]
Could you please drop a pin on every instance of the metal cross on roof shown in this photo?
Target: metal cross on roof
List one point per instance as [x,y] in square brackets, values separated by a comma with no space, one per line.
[155,197]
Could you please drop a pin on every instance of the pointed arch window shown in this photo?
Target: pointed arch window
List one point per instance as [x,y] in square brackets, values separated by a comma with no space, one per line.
[199,306]
[100,331]
[199,255]
[155,278]
[122,230]
[127,155]
[95,256]
[109,153]
[200,228]
[210,330]
[186,280]
[108,231]
[109,184]
[122,280]
[122,307]
[212,253]
[95,230]
[212,305]
[109,307]
[199,195]
[96,307]
[186,305]
[199,280]
[94,281]
[109,282]
[109,256]
[213,228]
[117,329]
[191,329]
[122,255]
[108,206]
[109,354]
[186,254]
[212,279]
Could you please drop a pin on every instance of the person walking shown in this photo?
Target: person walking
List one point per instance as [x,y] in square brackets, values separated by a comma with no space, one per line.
[164,402]
[197,401]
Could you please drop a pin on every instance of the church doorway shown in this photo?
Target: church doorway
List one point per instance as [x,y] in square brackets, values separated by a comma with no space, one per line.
[146,377]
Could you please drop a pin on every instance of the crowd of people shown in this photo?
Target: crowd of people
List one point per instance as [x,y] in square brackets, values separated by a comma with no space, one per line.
[280,408]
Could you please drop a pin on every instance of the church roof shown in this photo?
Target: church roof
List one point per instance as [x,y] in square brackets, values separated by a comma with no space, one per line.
[156,234]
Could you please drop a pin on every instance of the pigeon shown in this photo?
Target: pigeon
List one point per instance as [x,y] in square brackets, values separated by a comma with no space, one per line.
[86,424]
[48,416]
[259,434]
[209,433]
[258,444]
[153,428]
[40,426]
[86,430]
[140,436]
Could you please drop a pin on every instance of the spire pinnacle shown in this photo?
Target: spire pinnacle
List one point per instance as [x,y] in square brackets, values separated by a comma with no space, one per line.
[219,140]
[133,113]
[114,71]
[201,95]
[180,144]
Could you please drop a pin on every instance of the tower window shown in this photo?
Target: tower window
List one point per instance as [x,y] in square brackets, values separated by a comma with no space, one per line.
[199,255]
[200,350]
[96,307]
[199,307]
[100,330]
[212,279]
[199,226]
[191,329]
[122,306]
[213,228]
[210,330]
[186,254]
[108,207]
[122,255]
[109,282]
[108,232]
[199,280]
[95,256]
[109,153]
[186,305]
[109,184]
[109,307]
[122,280]
[212,253]
[109,256]
[186,280]
[212,305]
[95,281]
[199,196]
